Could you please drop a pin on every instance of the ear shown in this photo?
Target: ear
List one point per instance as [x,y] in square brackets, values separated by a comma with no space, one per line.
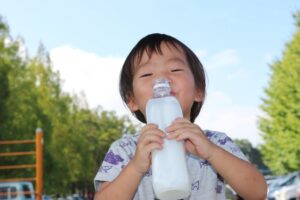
[132,105]
[198,95]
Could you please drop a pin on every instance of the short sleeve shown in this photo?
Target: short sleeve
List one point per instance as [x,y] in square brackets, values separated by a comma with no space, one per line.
[114,161]
[226,143]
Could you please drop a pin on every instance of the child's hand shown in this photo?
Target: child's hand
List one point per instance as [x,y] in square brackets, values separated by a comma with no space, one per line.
[195,140]
[150,138]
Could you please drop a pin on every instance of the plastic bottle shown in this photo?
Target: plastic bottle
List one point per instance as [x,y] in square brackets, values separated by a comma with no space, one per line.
[169,168]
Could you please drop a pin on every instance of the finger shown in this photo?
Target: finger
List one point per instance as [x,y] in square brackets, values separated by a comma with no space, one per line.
[188,136]
[152,146]
[149,126]
[181,119]
[151,130]
[184,132]
[178,124]
[151,138]
[156,132]
[176,130]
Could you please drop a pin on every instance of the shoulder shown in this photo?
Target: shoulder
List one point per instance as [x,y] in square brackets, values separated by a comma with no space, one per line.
[224,141]
[126,145]
[127,140]
[217,137]
[119,153]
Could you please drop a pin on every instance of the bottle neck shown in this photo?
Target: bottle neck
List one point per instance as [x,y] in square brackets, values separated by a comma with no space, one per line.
[161,92]
[161,88]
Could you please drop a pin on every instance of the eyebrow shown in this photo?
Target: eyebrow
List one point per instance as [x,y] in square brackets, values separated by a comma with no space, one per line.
[173,59]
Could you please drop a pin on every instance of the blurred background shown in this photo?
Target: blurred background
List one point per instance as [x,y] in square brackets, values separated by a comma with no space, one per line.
[59,71]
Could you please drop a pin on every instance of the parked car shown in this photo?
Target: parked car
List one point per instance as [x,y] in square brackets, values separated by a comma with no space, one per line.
[274,184]
[283,187]
[290,189]
[17,190]
[289,192]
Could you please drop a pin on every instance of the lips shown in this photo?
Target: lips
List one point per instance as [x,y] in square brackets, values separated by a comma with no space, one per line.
[173,93]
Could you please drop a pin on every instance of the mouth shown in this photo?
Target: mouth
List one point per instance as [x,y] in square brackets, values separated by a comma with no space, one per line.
[173,93]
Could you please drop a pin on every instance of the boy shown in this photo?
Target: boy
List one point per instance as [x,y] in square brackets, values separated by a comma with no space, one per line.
[212,157]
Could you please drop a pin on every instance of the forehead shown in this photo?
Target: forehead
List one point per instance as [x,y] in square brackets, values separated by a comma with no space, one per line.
[170,51]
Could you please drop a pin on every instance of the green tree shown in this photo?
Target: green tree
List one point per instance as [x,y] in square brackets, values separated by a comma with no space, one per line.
[252,153]
[9,62]
[4,68]
[76,137]
[280,125]
[12,108]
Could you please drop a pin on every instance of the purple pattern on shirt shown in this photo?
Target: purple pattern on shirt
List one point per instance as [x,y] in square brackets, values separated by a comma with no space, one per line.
[196,185]
[203,163]
[125,144]
[104,169]
[235,150]
[209,134]
[130,156]
[218,189]
[224,140]
[113,158]
[148,173]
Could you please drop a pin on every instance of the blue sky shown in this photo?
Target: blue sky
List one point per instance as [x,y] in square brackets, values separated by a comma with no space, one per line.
[235,40]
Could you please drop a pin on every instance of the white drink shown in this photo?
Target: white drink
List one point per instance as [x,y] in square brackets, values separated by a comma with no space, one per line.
[169,169]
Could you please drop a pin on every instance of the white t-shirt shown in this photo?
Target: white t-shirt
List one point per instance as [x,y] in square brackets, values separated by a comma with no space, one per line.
[206,182]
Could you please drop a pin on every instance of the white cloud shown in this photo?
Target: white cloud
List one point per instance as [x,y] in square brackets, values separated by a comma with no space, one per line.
[225,63]
[222,114]
[239,74]
[228,57]
[97,77]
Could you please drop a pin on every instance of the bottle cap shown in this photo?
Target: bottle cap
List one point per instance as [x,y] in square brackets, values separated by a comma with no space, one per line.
[161,83]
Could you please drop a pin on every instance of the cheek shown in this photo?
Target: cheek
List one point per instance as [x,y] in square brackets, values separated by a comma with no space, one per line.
[140,89]
[142,93]
[189,92]
[187,85]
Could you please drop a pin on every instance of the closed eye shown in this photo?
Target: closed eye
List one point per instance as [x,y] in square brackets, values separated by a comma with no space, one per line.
[145,75]
[176,70]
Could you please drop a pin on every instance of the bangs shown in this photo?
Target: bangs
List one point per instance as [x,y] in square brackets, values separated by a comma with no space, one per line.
[150,48]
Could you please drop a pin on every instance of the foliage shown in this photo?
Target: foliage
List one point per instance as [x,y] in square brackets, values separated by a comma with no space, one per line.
[75,136]
[281,124]
[253,154]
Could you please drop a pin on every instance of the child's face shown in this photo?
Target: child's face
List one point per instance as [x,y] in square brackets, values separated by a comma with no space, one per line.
[172,65]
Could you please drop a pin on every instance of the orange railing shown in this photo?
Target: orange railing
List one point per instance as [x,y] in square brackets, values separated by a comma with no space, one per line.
[38,162]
